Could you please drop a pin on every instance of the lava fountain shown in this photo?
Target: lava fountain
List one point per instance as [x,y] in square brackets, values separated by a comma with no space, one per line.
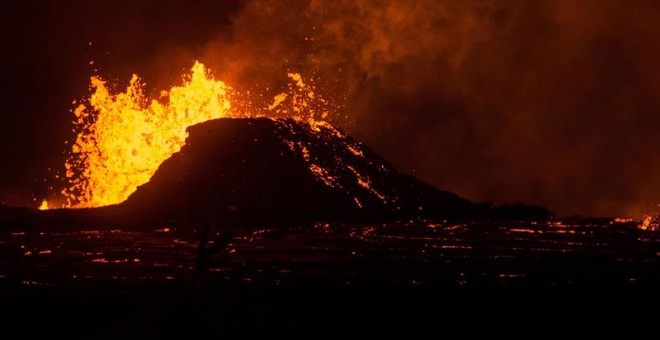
[123,138]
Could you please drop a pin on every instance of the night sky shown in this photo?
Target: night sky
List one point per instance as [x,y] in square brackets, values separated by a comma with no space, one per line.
[548,102]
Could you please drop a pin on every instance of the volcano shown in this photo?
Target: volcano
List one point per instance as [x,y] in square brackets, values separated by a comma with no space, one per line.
[274,172]
[265,171]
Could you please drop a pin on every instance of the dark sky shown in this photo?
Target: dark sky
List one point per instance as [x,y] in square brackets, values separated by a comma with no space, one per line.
[551,102]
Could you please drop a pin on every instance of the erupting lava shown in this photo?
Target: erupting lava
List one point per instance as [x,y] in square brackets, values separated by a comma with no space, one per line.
[123,138]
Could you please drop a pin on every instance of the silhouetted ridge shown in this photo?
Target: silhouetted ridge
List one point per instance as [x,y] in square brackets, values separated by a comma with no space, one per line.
[248,171]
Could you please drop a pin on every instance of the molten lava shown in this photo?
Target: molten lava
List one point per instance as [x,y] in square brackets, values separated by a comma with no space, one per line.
[650,222]
[44,205]
[123,138]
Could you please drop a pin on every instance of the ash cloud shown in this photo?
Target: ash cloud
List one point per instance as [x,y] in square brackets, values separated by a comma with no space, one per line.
[548,102]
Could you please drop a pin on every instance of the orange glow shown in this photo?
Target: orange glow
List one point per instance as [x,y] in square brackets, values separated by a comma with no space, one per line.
[104,260]
[623,220]
[365,182]
[44,205]
[528,231]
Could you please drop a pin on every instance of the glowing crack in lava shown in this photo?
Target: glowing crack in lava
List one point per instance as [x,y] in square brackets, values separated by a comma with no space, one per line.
[123,138]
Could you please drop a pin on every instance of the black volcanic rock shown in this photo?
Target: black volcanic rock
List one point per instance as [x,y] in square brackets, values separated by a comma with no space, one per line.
[264,171]
[9,216]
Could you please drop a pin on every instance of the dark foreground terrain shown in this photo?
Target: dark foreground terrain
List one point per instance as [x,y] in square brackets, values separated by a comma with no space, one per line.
[584,279]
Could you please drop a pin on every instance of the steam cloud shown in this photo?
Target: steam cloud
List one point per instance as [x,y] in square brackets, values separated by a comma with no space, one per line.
[549,102]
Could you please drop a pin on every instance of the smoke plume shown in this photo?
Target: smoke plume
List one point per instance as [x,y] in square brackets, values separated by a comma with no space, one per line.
[548,102]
